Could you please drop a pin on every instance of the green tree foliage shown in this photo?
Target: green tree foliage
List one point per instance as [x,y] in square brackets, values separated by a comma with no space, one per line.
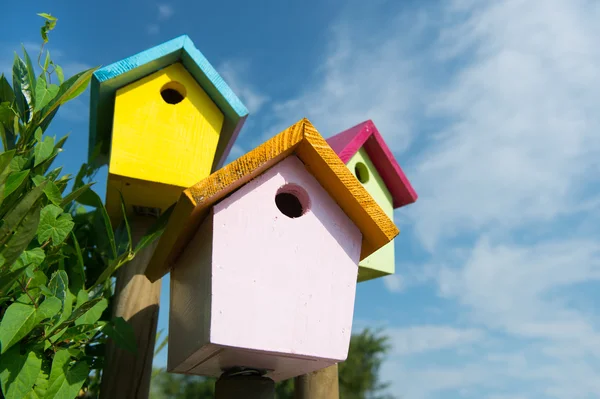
[58,249]
[359,375]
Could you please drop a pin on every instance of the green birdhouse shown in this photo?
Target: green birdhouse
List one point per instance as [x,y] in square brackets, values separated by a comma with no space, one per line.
[365,153]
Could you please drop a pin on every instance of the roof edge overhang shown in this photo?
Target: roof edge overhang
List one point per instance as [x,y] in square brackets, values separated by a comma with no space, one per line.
[347,143]
[107,80]
[302,140]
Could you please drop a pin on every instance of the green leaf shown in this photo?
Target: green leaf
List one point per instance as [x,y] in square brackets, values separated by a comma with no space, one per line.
[22,236]
[54,226]
[17,322]
[15,215]
[113,266]
[78,312]
[47,16]
[90,198]
[8,280]
[18,373]
[44,93]
[76,268]
[75,194]
[65,381]
[18,163]
[13,181]
[93,314]
[156,230]
[53,193]
[30,76]
[46,61]
[41,384]
[33,257]
[6,92]
[83,332]
[43,150]
[21,88]
[47,309]
[70,89]
[58,285]
[59,74]
[122,334]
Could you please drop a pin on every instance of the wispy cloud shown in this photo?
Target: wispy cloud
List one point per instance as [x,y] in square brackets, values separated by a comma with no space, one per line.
[491,108]
[236,72]
[164,13]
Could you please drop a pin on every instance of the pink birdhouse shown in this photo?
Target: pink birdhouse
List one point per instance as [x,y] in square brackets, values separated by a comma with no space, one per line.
[264,256]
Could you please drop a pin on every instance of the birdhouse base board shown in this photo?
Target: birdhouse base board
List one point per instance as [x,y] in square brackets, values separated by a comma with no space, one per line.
[211,360]
[137,194]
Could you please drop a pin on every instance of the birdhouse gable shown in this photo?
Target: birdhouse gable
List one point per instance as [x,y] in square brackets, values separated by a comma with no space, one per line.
[307,145]
[365,135]
[288,224]
[289,253]
[107,80]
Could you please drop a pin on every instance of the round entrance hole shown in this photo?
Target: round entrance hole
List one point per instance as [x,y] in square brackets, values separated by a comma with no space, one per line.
[173,92]
[362,172]
[292,200]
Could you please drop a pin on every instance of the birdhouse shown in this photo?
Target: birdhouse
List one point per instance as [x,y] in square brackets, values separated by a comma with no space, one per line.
[264,259]
[367,156]
[162,120]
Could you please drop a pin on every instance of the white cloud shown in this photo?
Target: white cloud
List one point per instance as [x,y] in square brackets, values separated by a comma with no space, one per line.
[363,77]
[493,115]
[153,29]
[425,338]
[165,11]
[393,283]
[236,72]
[520,136]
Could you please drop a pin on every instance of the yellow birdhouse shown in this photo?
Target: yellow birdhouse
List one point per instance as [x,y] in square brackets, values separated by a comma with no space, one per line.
[162,120]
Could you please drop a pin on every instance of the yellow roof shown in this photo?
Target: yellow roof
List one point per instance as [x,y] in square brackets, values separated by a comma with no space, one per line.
[302,140]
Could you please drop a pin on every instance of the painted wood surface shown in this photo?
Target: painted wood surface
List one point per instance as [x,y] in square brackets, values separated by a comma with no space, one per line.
[301,139]
[365,135]
[107,80]
[125,375]
[158,148]
[381,262]
[280,287]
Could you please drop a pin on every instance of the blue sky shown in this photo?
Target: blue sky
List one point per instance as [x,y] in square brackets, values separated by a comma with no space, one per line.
[491,108]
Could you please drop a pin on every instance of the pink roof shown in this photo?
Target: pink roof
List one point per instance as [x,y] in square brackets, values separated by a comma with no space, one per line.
[365,134]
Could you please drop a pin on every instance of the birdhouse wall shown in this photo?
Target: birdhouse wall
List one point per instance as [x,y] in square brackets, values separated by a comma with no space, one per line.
[281,294]
[381,262]
[165,131]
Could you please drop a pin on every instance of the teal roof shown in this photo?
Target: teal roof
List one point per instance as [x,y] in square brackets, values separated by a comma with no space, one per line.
[107,80]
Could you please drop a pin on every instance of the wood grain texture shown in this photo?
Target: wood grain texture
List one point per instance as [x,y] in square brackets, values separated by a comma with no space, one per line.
[190,301]
[365,135]
[127,376]
[107,80]
[301,139]
[320,384]
[381,262]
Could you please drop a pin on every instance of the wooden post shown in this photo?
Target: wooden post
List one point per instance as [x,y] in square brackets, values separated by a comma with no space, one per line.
[236,386]
[320,384]
[127,376]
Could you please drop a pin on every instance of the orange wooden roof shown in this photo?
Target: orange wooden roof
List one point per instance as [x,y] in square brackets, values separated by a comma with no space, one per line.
[302,140]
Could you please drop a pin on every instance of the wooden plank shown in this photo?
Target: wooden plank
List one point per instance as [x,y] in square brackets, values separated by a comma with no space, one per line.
[107,80]
[321,384]
[301,139]
[125,375]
